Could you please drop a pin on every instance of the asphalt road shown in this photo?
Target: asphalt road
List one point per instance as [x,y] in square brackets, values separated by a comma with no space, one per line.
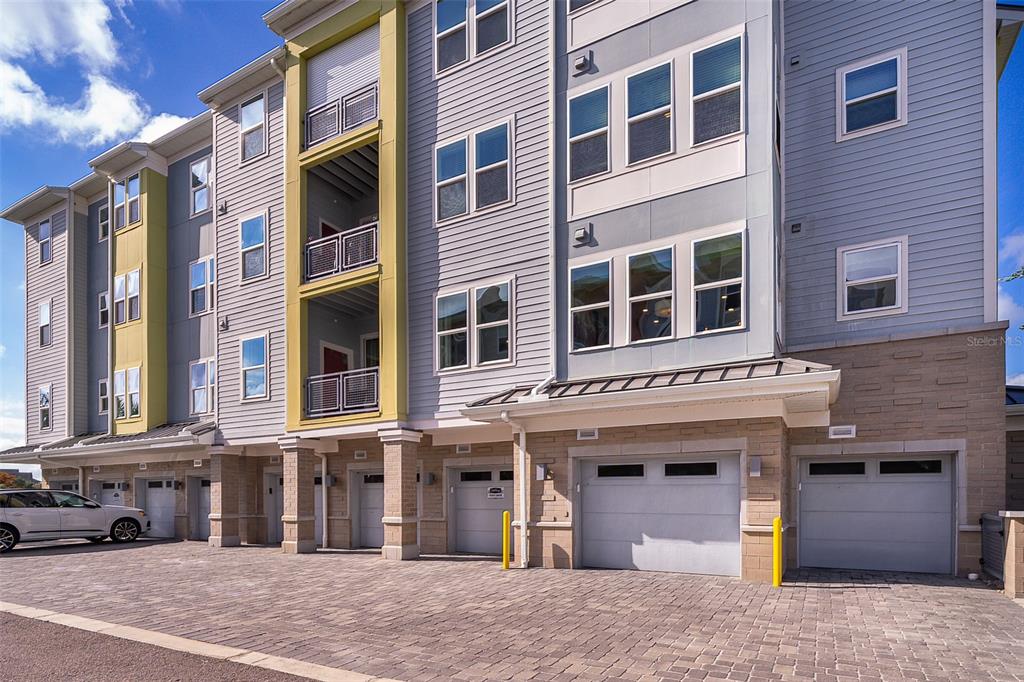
[36,650]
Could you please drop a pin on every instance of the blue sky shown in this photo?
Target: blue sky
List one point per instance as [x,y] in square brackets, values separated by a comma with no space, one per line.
[101,72]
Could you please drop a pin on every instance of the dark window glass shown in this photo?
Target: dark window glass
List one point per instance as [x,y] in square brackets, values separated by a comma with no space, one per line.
[870,79]
[910,466]
[871,296]
[871,112]
[30,500]
[373,478]
[717,66]
[718,259]
[592,328]
[588,156]
[452,350]
[716,116]
[491,30]
[650,137]
[590,284]
[620,470]
[691,469]
[505,475]
[491,186]
[475,476]
[318,480]
[108,486]
[836,469]
[205,483]
[577,4]
[719,307]
[451,49]
[650,319]
[155,484]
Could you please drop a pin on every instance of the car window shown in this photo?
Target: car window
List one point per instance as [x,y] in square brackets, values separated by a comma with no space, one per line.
[65,499]
[29,499]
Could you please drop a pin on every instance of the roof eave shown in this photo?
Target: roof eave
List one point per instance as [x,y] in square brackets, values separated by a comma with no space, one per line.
[35,203]
[118,157]
[224,90]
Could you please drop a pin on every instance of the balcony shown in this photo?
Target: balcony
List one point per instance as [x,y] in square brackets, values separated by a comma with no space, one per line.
[341,252]
[357,390]
[341,115]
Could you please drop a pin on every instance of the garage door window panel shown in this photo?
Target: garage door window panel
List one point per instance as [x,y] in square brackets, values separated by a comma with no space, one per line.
[909,466]
[590,305]
[620,471]
[651,295]
[836,469]
[470,476]
[692,469]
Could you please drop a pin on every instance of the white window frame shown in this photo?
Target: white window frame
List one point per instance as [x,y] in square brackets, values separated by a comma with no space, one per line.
[48,389]
[123,205]
[671,248]
[471,328]
[477,326]
[210,386]
[470,26]
[242,131]
[507,4]
[129,200]
[670,107]
[137,272]
[717,91]
[594,306]
[137,371]
[103,226]
[48,241]
[265,214]
[469,139]
[119,375]
[102,396]
[208,160]
[741,280]
[208,285]
[48,305]
[902,279]
[900,55]
[593,133]
[265,337]
[103,306]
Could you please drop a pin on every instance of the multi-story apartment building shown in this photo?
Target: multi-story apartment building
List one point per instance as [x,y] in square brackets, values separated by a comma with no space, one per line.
[647,275]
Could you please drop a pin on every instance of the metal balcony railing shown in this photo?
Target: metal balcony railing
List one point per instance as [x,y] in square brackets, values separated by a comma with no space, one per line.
[341,115]
[343,392]
[340,252]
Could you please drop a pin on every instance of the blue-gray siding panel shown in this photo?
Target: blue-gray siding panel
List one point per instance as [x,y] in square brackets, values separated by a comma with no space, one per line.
[924,180]
[188,239]
[97,338]
[510,241]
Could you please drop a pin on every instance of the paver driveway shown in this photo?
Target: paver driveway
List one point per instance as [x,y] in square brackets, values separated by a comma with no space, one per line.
[467,620]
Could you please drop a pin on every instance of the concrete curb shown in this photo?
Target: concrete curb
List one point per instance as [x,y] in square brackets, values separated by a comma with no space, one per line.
[290,666]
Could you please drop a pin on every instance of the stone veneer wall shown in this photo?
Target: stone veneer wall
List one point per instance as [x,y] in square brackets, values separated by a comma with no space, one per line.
[945,387]
[1015,470]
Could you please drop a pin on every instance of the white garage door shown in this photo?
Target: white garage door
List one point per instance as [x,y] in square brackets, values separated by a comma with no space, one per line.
[159,506]
[479,498]
[680,515]
[887,514]
[203,522]
[371,510]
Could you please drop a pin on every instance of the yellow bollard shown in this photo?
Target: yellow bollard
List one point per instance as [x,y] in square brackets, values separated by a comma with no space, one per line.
[777,552]
[506,533]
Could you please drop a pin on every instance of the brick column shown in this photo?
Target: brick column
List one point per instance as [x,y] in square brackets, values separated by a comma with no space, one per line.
[400,508]
[299,510]
[1013,564]
[224,497]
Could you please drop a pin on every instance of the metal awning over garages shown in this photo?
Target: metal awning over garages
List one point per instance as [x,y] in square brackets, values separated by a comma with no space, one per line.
[797,391]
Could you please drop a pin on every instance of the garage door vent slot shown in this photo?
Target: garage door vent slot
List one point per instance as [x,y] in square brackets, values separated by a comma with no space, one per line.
[586,434]
[463,448]
[849,431]
[360,454]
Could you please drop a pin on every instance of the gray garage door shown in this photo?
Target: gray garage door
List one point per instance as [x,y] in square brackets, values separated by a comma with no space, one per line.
[680,515]
[479,498]
[877,513]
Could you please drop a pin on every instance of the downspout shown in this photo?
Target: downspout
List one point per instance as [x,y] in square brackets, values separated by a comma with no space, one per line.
[523,545]
[111,231]
[323,499]
[552,210]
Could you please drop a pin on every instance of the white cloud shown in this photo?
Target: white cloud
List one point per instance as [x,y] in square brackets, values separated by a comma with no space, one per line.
[12,423]
[1015,380]
[3,351]
[1011,249]
[1010,309]
[105,111]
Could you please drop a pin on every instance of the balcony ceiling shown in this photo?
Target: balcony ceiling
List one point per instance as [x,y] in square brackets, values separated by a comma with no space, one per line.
[353,303]
[353,174]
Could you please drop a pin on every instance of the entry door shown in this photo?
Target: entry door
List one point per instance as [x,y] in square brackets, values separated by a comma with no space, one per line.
[480,497]
[334,360]
[160,507]
[318,511]
[371,509]
[110,495]
[679,514]
[274,504]
[877,513]
[204,509]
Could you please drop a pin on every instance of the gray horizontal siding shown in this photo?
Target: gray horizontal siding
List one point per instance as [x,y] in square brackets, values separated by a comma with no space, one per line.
[46,365]
[98,352]
[258,306]
[509,242]
[188,239]
[79,295]
[924,179]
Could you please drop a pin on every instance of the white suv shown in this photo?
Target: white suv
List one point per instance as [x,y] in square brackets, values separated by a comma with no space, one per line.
[33,515]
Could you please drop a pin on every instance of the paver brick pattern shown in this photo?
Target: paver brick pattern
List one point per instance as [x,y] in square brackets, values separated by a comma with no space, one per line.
[440,619]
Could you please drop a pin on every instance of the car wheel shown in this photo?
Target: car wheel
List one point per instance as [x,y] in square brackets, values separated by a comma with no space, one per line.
[125,530]
[8,538]
[98,539]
